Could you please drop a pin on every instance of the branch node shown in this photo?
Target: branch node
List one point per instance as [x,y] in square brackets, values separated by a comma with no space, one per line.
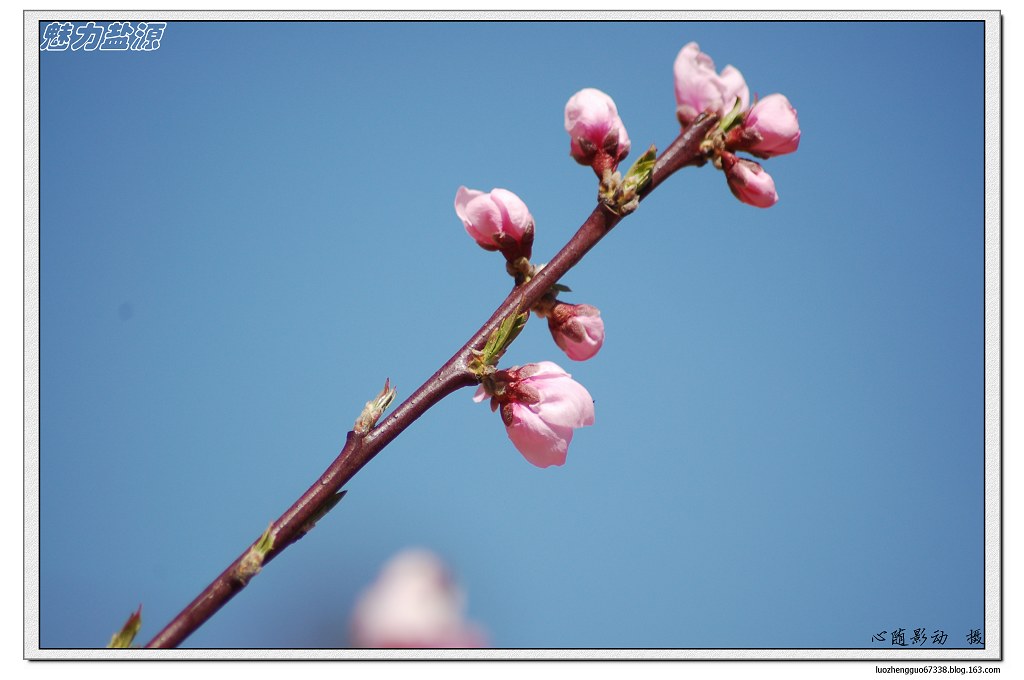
[251,564]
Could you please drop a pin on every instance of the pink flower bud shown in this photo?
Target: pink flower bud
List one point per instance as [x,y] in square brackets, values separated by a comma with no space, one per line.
[596,133]
[748,181]
[540,405]
[700,89]
[577,329]
[413,604]
[498,220]
[769,129]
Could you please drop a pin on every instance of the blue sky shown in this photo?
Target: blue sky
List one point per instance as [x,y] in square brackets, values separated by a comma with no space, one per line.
[245,231]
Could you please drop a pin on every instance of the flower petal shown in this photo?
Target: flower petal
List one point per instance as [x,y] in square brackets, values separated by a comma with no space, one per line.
[516,216]
[540,443]
[733,85]
[462,197]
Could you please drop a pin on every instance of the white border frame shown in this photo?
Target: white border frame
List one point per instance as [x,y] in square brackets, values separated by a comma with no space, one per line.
[993,342]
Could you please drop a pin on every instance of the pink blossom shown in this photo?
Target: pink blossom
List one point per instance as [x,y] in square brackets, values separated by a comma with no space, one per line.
[748,181]
[540,405]
[498,220]
[597,136]
[769,129]
[577,329]
[699,88]
[414,603]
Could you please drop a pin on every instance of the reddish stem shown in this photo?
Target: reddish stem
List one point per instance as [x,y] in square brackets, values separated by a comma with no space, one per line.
[453,375]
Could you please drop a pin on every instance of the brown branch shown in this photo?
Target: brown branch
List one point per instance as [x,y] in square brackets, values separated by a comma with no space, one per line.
[453,375]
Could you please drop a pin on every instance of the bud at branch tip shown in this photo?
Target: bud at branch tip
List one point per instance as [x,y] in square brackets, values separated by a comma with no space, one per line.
[122,639]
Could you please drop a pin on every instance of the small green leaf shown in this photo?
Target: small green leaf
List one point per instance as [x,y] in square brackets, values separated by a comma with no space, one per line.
[499,342]
[252,562]
[493,342]
[731,118]
[122,639]
[515,325]
[640,173]
[561,288]
[266,542]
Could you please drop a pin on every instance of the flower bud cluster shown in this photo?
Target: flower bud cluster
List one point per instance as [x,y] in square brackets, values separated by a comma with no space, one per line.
[768,128]
[540,403]
[500,220]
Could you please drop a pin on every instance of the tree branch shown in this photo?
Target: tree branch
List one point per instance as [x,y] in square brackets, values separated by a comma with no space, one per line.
[453,375]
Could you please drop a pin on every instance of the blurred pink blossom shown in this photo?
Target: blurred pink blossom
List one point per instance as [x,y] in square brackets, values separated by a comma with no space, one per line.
[748,181]
[498,220]
[699,88]
[414,603]
[597,136]
[541,405]
[577,329]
